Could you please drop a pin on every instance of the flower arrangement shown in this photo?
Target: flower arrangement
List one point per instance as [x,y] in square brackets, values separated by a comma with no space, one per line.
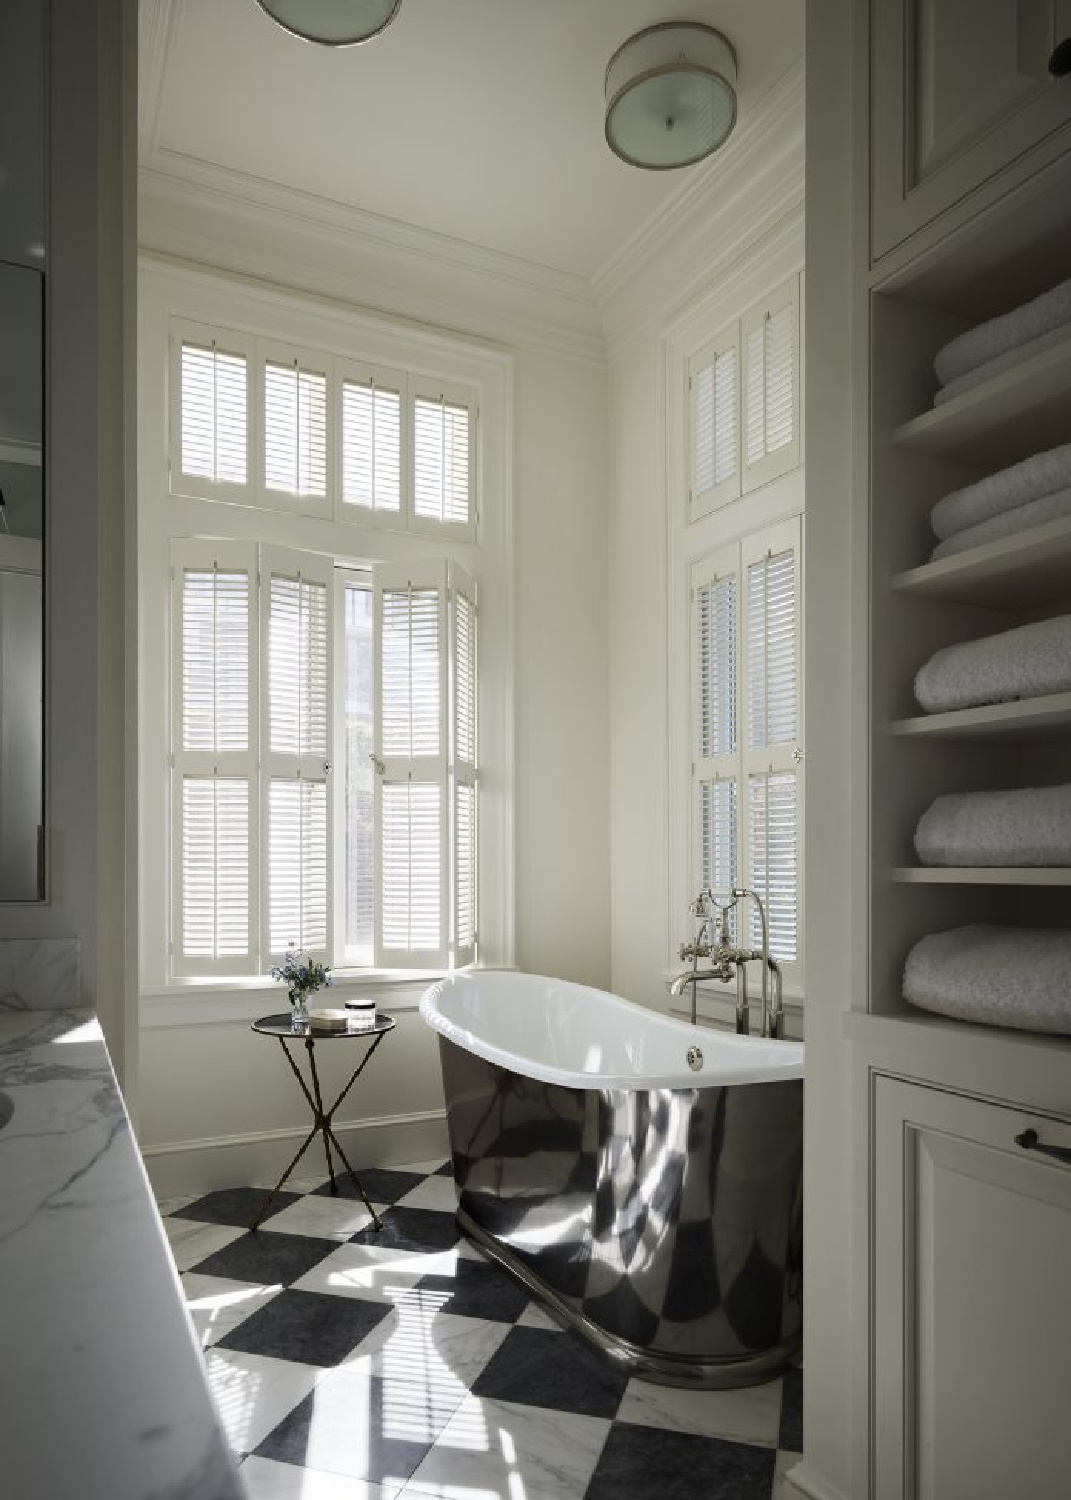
[303,976]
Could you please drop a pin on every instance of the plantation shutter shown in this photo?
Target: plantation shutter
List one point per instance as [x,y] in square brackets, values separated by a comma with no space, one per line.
[715,759]
[772,757]
[296,613]
[443,423]
[213,757]
[210,425]
[463,768]
[771,386]
[293,414]
[371,440]
[714,423]
[412,764]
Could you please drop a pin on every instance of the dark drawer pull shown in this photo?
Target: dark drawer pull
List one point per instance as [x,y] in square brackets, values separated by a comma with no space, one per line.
[1030,1141]
[1060,61]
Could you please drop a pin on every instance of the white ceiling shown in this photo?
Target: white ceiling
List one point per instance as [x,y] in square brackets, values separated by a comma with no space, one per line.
[477,119]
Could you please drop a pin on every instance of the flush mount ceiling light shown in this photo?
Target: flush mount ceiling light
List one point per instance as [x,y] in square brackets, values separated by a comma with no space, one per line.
[334,23]
[670,95]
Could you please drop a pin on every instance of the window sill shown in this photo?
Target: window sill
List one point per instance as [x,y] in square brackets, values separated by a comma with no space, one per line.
[241,999]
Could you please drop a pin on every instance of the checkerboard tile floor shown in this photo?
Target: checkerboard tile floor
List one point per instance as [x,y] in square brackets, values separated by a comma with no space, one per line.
[351,1364]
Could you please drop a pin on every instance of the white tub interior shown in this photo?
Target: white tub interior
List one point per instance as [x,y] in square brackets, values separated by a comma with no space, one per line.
[569,1034]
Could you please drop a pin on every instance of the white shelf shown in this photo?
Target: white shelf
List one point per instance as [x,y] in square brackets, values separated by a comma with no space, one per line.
[1016,413]
[981,875]
[1025,571]
[1032,719]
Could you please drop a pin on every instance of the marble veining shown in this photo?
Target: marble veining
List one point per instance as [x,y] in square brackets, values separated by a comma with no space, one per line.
[38,974]
[109,1395]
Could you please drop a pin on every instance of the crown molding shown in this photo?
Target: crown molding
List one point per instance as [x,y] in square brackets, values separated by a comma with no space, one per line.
[233,221]
[743,195]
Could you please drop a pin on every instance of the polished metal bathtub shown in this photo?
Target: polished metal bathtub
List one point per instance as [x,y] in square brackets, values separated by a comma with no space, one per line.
[653,1202]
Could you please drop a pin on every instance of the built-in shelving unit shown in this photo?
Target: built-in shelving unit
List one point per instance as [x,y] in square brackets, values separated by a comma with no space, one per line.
[981,875]
[1027,719]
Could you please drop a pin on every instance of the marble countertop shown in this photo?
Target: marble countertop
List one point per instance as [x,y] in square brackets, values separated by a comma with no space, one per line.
[104,1388]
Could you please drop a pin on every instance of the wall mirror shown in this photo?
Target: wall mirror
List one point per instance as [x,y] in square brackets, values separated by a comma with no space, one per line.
[22,863]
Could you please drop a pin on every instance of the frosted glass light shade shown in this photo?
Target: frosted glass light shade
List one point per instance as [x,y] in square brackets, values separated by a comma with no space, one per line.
[334,23]
[670,95]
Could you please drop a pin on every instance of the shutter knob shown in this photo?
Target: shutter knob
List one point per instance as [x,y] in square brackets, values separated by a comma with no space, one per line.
[380,767]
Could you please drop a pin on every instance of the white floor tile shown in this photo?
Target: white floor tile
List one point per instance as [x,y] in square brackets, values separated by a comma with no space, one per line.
[217,1305]
[369,1272]
[494,1450]
[746,1416]
[323,1218]
[425,1166]
[191,1242]
[434,1192]
[535,1316]
[254,1393]
[175,1205]
[267,1480]
[440,1350]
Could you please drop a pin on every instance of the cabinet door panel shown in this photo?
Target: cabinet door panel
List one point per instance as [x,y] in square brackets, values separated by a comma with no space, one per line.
[972,1304]
[961,89]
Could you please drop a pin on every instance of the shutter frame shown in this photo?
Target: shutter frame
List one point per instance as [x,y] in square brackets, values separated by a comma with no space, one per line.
[449,395]
[309,362]
[706,491]
[419,775]
[225,341]
[719,766]
[761,387]
[188,766]
[303,763]
[378,377]
[464,767]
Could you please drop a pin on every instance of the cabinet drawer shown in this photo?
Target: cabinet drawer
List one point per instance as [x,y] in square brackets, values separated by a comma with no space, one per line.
[960,90]
[971,1299]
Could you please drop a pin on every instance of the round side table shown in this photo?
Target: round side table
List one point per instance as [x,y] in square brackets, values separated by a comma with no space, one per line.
[280,1027]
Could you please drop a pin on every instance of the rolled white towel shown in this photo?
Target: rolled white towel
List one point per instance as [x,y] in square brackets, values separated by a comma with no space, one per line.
[1025,826]
[1008,523]
[1026,662]
[1041,474]
[969,350]
[999,976]
[1001,362]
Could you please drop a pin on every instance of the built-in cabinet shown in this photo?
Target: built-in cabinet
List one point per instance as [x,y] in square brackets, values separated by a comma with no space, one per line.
[964,213]
[972,1300]
[961,91]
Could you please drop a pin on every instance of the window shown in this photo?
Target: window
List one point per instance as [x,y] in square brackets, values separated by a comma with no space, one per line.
[260,713]
[746,757]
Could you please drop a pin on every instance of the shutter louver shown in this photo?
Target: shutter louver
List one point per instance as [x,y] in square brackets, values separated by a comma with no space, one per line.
[716,668]
[212,414]
[412,666]
[716,836]
[715,764]
[297,666]
[464,774]
[773,841]
[295,430]
[771,387]
[441,453]
[756,397]
[772,636]
[371,447]
[464,870]
[215,868]
[779,355]
[412,859]
[297,865]
[715,419]
[215,660]
[359,743]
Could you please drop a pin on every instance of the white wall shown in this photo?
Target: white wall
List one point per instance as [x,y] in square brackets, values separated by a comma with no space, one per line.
[211,1091]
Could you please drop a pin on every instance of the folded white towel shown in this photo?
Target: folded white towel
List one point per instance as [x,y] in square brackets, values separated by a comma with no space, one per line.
[1026,662]
[1001,362]
[1041,474]
[1008,523]
[999,976]
[969,350]
[1026,826]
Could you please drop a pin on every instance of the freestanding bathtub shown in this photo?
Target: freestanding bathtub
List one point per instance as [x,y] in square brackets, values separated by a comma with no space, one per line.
[652,1200]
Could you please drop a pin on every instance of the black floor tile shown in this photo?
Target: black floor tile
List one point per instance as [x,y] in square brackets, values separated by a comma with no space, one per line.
[446,1170]
[238,1206]
[268,1259]
[476,1290]
[382,1184]
[420,1229]
[791,1433]
[542,1368]
[648,1463]
[358,1442]
[311,1328]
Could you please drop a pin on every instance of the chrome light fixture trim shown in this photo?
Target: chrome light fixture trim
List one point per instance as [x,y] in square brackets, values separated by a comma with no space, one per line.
[332,23]
[681,65]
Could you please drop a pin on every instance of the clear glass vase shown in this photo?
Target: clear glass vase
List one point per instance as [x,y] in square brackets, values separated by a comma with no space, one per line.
[299,1011]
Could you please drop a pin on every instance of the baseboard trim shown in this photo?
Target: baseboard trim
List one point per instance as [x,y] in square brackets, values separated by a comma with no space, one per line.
[196,1166]
[802,1480]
